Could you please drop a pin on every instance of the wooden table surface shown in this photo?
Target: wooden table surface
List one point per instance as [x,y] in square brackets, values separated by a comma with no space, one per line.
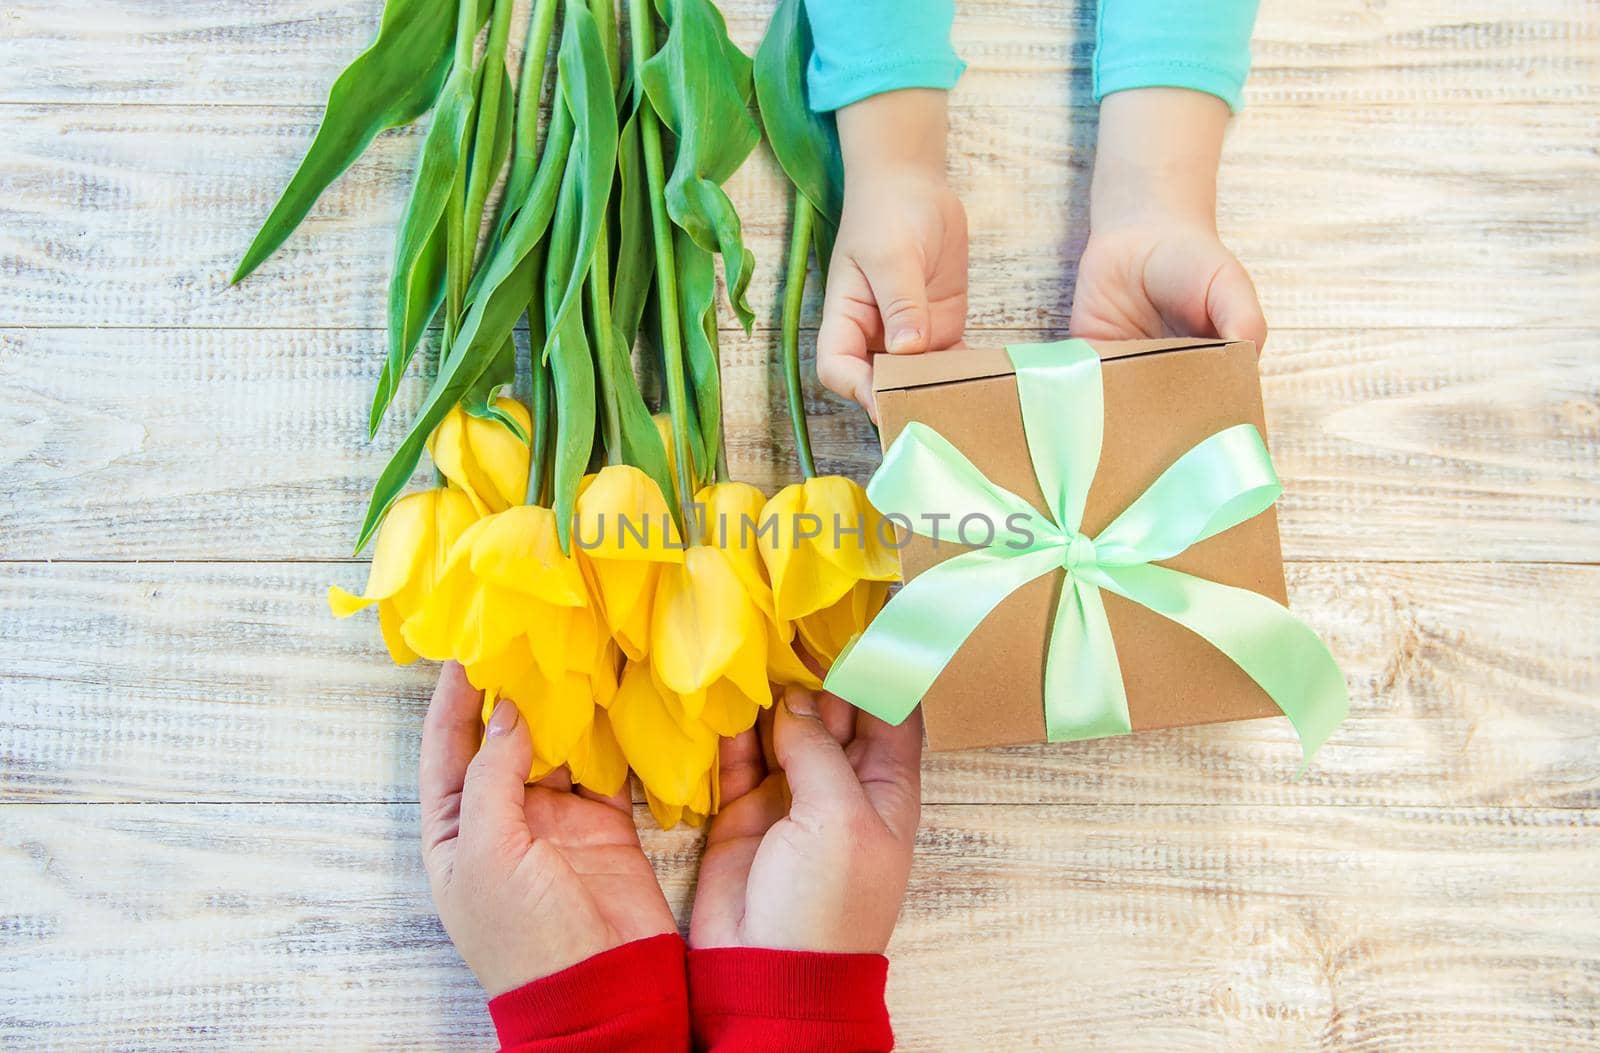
[207,786]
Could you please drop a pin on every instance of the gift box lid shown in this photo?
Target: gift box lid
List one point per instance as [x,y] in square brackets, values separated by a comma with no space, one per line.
[1161,397]
[898,372]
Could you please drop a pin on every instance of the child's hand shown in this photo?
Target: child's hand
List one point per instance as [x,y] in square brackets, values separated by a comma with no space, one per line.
[898,278]
[812,847]
[527,879]
[1154,265]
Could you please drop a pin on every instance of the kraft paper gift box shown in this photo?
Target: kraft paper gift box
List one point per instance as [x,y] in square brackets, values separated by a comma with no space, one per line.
[1161,398]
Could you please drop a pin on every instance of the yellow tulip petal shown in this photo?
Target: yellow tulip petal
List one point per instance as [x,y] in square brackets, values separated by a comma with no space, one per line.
[483,457]
[668,758]
[430,630]
[826,632]
[448,448]
[621,515]
[784,665]
[702,617]
[828,537]
[501,672]
[802,581]
[597,762]
[518,549]
[625,591]
[666,815]
[603,677]
[727,710]
[731,515]
[558,713]
[748,670]
[389,626]
[701,801]
[404,538]
[548,632]
[500,458]
[343,604]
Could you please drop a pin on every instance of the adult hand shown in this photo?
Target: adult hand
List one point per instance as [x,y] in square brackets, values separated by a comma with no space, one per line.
[812,847]
[528,880]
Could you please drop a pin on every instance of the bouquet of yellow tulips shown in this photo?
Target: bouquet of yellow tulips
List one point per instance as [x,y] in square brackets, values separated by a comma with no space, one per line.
[579,555]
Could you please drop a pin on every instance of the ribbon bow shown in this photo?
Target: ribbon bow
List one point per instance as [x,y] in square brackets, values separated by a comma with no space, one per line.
[1221,482]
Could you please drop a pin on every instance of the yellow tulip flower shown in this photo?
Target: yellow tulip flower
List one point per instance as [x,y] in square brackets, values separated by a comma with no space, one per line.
[505,579]
[482,458]
[675,759]
[412,547]
[597,761]
[732,515]
[709,641]
[830,560]
[622,537]
[562,705]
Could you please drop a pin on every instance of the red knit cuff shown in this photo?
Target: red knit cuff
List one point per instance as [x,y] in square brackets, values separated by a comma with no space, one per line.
[630,997]
[743,998]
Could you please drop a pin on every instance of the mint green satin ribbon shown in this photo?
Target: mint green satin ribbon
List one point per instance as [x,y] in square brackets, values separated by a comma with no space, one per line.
[1221,482]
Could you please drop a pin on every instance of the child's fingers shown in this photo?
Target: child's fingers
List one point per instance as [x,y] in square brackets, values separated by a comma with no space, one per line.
[492,817]
[1234,307]
[849,321]
[900,290]
[450,734]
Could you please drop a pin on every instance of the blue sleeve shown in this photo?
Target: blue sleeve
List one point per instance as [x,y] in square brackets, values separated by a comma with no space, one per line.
[867,47]
[1174,44]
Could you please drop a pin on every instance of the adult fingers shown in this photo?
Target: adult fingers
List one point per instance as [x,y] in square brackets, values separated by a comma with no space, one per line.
[559,779]
[1234,307]
[813,762]
[838,716]
[740,766]
[492,815]
[450,734]
[888,761]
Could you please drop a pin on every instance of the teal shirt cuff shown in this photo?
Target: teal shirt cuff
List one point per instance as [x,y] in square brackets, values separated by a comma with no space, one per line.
[1174,44]
[867,47]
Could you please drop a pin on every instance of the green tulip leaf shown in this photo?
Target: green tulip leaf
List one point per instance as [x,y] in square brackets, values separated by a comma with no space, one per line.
[392,83]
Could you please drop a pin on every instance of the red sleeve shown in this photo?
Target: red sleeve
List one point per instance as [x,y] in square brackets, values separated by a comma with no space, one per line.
[754,1000]
[632,997]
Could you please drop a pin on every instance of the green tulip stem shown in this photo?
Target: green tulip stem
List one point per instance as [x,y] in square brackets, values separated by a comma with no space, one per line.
[794,293]
[641,26]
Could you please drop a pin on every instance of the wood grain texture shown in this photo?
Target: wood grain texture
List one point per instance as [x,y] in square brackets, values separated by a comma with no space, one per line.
[1364,217]
[218,682]
[1179,928]
[233,53]
[206,828]
[1475,444]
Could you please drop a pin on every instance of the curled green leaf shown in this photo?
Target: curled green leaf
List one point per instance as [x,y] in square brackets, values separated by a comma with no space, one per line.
[699,84]
[635,264]
[806,144]
[697,298]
